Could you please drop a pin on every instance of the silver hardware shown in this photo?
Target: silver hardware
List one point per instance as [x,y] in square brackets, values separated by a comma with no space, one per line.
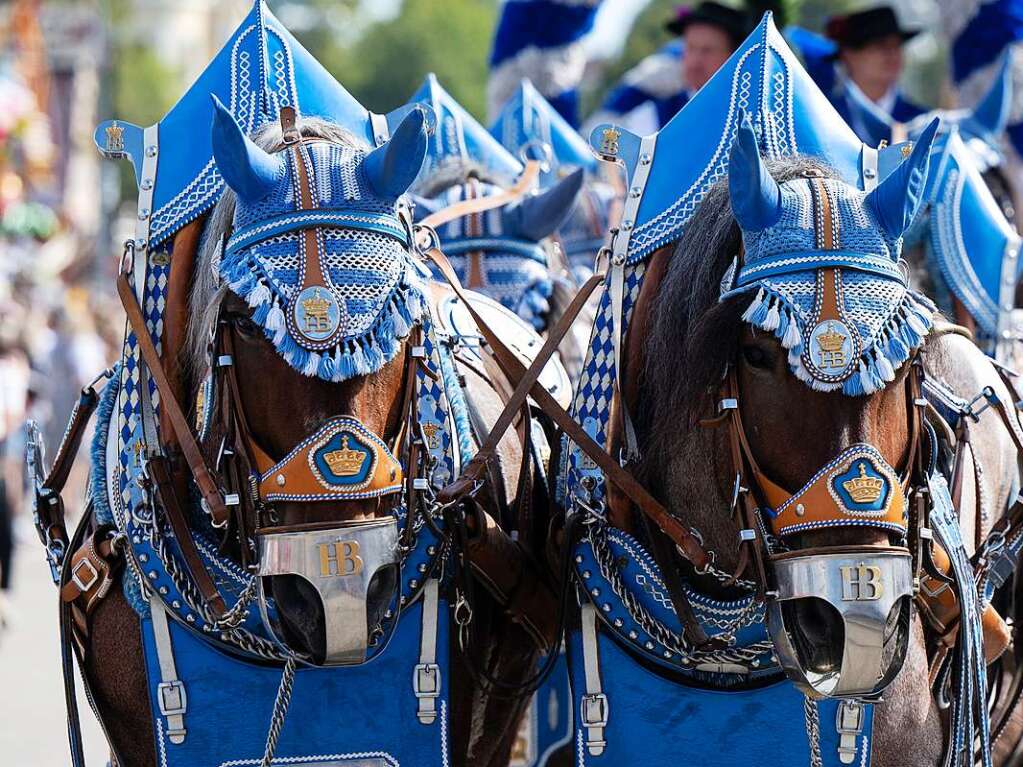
[747,534]
[224,361]
[151,150]
[420,483]
[849,723]
[76,575]
[232,499]
[728,403]
[418,352]
[143,214]
[863,587]
[339,564]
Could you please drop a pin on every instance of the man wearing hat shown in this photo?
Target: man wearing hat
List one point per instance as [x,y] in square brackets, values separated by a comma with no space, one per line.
[870,61]
[710,32]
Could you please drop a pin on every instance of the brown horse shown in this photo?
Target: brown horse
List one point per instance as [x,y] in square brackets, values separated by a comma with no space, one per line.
[678,324]
[282,406]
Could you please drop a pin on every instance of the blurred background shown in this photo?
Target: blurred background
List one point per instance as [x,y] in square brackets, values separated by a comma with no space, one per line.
[66,65]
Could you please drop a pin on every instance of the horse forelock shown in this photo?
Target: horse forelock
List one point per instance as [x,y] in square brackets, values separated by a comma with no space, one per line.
[208,291]
[692,331]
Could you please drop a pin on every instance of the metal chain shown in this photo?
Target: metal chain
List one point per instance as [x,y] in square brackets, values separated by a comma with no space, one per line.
[657,630]
[281,703]
[813,730]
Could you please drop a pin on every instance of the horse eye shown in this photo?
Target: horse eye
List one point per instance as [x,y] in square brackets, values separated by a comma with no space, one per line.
[756,357]
[244,325]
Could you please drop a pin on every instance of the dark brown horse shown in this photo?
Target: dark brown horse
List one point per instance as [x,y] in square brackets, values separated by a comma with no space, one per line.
[282,406]
[679,324]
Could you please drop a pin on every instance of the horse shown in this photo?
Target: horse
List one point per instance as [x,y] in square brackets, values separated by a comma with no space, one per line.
[355,369]
[751,414]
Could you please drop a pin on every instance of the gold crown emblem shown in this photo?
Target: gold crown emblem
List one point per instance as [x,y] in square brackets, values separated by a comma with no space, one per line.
[115,137]
[609,141]
[317,306]
[344,461]
[831,340]
[864,489]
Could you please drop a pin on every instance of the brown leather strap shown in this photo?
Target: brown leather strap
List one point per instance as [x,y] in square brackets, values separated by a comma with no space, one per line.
[513,404]
[512,577]
[204,480]
[93,567]
[688,544]
[464,208]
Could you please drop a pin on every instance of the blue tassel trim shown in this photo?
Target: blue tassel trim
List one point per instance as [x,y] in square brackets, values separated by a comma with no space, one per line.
[351,357]
[904,332]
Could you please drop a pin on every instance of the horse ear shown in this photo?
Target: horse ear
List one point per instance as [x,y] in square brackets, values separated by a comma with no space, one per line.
[540,215]
[391,168]
[992,113]
[248,170]
[896,200]
[755,195]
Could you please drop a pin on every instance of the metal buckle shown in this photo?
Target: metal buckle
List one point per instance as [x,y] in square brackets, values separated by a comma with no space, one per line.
[990,398]
[728,403]
[76,578]
[172,698]
[593,710]
[849,723]
[429,673]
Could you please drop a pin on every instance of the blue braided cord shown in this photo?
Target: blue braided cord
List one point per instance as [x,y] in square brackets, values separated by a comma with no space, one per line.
[381,223]
[787,263]
[503,245]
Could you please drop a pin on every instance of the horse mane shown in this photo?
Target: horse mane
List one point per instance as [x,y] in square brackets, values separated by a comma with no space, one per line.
[207,290]
[692,331]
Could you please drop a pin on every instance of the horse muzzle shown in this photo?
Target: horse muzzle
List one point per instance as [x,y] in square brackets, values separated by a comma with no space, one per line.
[352,566]
[866,595]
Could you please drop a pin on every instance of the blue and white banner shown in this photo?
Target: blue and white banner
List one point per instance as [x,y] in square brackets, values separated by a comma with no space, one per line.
[541,40]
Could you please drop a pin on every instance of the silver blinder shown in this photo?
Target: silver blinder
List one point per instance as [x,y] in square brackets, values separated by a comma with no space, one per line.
[863,588]
[340,563]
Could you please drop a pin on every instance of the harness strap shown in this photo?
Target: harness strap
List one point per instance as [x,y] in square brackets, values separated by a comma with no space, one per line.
[688,544]
[594,705]
[190,449]
[522,186]
[170,692]
[426,681]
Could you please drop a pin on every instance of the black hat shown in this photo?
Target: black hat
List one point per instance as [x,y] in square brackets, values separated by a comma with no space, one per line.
[857,29]
[734,23]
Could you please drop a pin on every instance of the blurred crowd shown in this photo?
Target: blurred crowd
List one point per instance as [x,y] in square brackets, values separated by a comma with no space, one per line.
[56,329]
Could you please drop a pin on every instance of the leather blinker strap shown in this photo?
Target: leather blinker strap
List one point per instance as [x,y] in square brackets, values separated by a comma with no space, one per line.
[687,543]
[522,186]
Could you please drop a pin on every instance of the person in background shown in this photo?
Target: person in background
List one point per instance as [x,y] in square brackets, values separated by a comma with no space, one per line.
[14,396]
[870,59]
[708,34]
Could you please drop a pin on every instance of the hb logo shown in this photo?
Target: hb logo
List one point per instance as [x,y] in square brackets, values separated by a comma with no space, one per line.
[340,558]
[861,583]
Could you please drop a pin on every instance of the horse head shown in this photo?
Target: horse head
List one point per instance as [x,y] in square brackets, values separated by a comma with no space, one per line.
[503,252]
[804,305]
[306,317]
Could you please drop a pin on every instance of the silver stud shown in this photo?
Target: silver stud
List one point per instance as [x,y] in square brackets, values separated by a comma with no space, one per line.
[153,575]
[644,159]
[280,480]
[389,614]
[869,173]
[412,584]
[140,243]
[151,151]
[190,618]
[635,192]
[143,557]
[667,654]
[176,604]
[162,590]
[143,214]
[627,225]
[755,664]
[633,635]
[595,592]
[136,539]
[649,645]
[578,559]
[618,623]
[146,185]
[587,574]
[403,600]
[800,510]
[431,550]
[422,567]
[606,607]
[686,662]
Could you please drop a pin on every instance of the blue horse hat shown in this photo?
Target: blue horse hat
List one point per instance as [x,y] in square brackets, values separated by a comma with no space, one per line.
[531,129]
[260,69]
[340,308]
[459,138]
[671,171]
[822,257]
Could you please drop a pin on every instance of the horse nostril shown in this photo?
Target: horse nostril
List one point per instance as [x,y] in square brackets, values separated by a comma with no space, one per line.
[300,612]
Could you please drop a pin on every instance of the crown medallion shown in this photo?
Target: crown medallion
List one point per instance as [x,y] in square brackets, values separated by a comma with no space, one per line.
[316,314]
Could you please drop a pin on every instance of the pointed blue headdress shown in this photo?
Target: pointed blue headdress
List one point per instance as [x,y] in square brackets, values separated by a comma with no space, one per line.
[459,138]
[260,69]
[822,258]
[974,248]
[671,171]
[531,129]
